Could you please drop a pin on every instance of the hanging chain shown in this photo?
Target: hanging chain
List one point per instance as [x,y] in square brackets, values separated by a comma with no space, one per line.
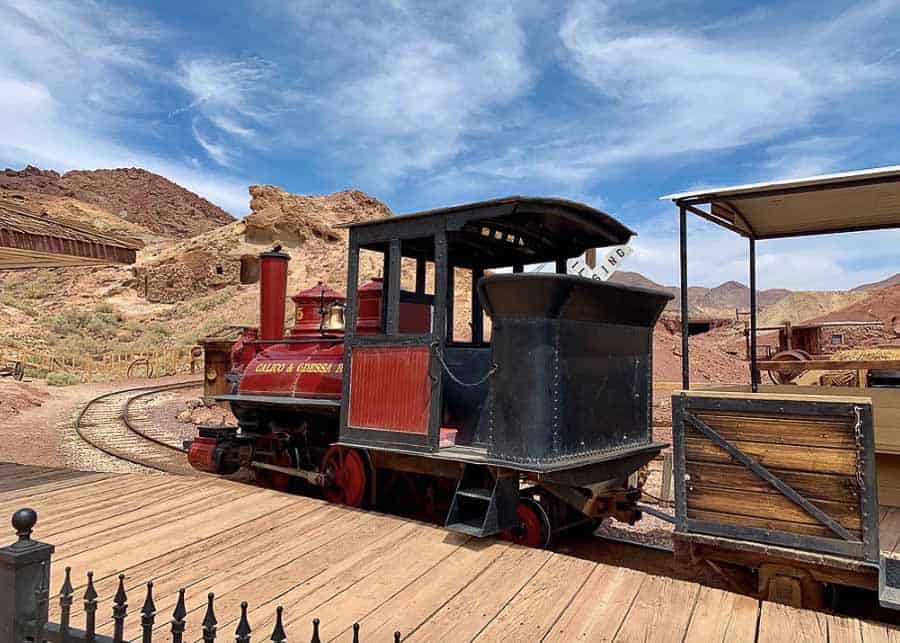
[436,348]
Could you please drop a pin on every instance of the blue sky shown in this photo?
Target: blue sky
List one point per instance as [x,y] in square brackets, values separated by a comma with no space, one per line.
[429,104]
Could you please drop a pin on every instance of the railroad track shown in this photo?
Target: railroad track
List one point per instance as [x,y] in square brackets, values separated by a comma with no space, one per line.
[110,424]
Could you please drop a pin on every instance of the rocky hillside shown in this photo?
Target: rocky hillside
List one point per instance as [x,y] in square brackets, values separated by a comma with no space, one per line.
[182,289]
[136,195]
[882,304]
[884,283]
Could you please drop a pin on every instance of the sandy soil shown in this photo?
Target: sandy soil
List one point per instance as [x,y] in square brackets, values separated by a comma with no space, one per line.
[44,434]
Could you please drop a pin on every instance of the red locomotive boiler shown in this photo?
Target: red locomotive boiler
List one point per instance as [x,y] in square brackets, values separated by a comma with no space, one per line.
[373,401]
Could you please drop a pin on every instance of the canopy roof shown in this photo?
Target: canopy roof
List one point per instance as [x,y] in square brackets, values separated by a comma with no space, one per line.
[29,241]
[501,232]
[846,202]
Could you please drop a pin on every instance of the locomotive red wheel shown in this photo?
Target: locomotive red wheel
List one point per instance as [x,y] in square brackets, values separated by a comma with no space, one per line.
[274,479]
[346,479]
[534,528]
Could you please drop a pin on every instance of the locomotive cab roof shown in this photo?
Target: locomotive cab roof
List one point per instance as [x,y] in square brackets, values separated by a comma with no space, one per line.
[509,231]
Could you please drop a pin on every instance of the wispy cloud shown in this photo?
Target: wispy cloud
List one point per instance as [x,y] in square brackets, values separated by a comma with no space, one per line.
[829,262]
[76,79]
[418,83]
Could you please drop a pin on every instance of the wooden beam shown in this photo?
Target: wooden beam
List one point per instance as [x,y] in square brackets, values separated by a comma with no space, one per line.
[829,365]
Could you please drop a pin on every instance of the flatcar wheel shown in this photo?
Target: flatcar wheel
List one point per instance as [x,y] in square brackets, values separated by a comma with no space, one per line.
[346,479]
[534,528]
[786,377]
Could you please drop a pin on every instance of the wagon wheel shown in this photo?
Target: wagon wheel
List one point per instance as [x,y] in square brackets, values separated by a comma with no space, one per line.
[786,377]
[19,371]
[346,477]
[534,528]
[138,363]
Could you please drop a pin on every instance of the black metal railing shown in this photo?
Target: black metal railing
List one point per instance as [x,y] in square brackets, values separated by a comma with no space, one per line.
[25,576]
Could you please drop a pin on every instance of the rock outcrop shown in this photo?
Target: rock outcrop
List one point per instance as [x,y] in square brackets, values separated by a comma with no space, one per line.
[136,195]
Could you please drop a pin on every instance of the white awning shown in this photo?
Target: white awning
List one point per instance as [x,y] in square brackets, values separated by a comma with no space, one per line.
[850,201]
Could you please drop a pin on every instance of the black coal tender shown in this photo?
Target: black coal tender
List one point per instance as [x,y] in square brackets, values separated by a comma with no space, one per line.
[574,377]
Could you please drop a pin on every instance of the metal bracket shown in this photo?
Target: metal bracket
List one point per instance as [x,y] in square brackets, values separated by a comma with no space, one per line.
[789,492]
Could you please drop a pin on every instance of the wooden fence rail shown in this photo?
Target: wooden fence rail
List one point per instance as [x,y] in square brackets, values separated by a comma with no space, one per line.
[24,580]
[116,365]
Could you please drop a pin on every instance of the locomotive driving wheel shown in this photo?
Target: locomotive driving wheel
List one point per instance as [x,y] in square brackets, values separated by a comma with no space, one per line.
[534,528]
[346,477]
[275,479]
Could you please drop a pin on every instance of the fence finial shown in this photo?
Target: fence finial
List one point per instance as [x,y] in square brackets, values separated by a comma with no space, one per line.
[148,615]
[65,604]
[278,635]
[397,637]
[178,615]
[119,611]
[356,633]
[23,521]
[209,620]
[90,608]
[242,633]
[315,637]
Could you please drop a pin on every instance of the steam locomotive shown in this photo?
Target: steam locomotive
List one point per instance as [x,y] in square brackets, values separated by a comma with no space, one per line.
[373,399]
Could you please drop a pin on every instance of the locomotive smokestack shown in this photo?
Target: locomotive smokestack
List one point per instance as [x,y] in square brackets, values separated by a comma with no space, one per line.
[273,269]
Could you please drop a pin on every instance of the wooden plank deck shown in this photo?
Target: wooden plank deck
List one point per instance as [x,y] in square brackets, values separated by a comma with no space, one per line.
[342,566]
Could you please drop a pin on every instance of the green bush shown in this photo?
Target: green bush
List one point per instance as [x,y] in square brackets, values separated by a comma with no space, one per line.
[62,379]
[80,330]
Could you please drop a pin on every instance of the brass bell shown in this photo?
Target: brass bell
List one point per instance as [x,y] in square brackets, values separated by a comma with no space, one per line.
[333,319]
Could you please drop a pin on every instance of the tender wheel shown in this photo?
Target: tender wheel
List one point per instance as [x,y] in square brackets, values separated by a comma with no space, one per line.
[346,477]
[534,528]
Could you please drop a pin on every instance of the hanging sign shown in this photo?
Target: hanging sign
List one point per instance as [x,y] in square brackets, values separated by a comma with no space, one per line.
[606,266]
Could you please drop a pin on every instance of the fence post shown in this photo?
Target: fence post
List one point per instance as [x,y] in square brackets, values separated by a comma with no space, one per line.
[24,572]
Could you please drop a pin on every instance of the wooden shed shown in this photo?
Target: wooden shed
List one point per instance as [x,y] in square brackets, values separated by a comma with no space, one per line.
[30,241]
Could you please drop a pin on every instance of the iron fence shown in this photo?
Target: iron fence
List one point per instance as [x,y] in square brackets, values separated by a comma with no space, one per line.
[24,618]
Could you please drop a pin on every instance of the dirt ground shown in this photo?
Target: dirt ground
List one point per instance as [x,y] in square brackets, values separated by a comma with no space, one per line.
[37,426]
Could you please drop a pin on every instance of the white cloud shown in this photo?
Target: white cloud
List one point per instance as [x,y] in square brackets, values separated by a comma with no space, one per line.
[75,77]
[650,93]
[416,82]
[806,157]
[828,262]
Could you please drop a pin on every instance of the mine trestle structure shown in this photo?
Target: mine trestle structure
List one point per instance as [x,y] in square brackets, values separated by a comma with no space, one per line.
[24,618]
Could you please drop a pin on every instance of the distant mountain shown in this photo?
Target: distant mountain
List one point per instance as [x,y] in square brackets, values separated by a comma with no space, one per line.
[627,278]
[884,283]
[136,195]
[720,301]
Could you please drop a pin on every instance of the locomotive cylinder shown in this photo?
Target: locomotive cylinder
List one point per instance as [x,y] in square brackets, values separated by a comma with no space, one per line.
[272,294]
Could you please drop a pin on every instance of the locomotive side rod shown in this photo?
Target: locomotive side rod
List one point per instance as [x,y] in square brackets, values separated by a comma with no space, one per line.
[313,477]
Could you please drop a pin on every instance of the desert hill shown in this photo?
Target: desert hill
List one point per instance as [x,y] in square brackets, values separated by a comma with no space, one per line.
[182,289]
[720,301]
[882,304]
[133,194]
[198,270]
[884,283]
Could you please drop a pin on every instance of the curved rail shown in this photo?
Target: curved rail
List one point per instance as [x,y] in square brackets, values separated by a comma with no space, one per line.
[113,416]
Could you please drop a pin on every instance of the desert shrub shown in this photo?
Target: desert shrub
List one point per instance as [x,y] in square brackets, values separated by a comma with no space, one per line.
[80,330]
[58,378]
[37,288]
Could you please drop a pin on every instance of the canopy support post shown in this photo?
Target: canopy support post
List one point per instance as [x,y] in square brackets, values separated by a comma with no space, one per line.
[685,355]
[754,371]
